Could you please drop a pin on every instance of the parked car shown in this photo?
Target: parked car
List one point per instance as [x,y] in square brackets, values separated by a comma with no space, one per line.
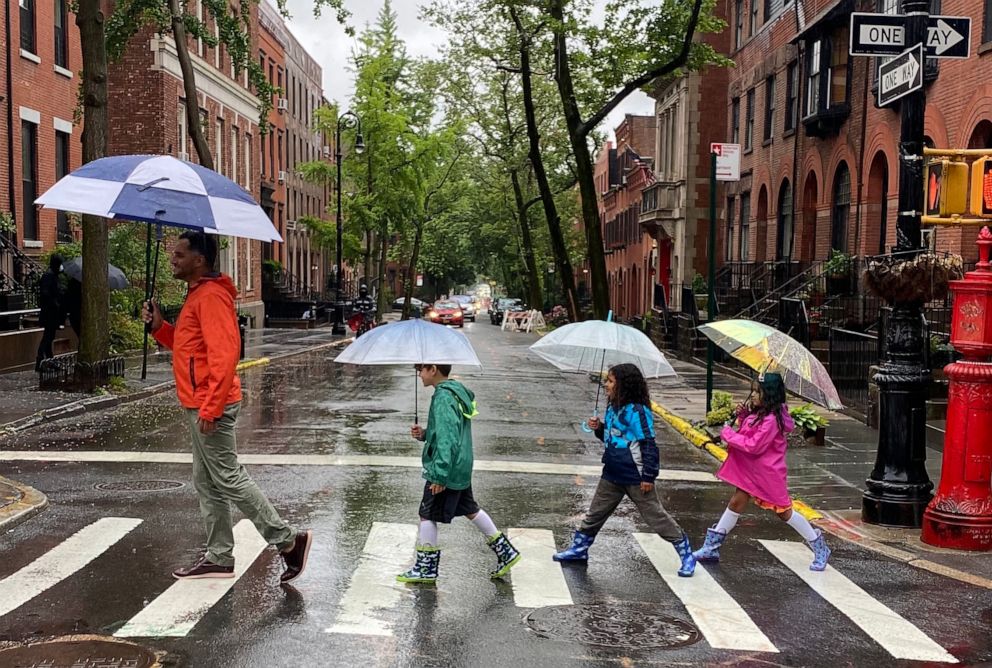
[468,306]
[503,305]
[446,312]
[416,306]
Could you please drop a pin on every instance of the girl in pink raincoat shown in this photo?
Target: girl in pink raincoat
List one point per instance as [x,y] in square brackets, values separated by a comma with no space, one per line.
[756,466]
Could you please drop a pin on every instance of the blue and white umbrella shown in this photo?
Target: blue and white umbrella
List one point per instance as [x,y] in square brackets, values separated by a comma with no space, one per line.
[164,190]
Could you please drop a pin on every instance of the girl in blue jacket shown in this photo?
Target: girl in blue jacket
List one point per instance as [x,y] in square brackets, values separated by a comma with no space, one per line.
[630,467]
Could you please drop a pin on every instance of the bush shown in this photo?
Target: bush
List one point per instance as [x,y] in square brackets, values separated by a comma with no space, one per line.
[722,409]
[806,418]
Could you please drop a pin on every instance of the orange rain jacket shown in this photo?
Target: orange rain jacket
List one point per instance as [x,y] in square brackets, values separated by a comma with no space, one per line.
[206,345]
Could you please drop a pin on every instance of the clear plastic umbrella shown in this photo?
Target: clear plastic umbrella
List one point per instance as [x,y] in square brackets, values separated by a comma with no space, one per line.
[410,342]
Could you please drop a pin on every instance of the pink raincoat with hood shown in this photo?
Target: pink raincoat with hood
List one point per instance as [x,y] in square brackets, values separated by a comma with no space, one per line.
[756,457]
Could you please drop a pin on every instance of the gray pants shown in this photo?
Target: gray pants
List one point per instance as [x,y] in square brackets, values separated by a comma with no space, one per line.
[609,495]
[221,480]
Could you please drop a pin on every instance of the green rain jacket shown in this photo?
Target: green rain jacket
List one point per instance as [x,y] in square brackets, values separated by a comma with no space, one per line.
[447,456]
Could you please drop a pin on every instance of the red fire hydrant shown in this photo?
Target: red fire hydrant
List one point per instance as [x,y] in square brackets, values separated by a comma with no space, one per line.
[960,514]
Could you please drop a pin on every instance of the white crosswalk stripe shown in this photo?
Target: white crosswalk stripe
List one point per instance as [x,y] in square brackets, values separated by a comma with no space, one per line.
[62,561]
[900,638]
[720,619]
[177,610]
[373,587]
[537,579]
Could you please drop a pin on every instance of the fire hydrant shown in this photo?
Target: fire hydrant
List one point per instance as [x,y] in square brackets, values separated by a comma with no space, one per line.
[960,514]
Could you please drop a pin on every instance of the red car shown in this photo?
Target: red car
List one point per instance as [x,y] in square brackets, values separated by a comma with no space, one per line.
[446,313]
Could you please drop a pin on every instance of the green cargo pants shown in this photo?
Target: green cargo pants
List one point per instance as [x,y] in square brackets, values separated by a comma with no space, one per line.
[221,480]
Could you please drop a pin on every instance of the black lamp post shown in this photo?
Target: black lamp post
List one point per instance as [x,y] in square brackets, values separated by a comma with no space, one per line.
[352,120]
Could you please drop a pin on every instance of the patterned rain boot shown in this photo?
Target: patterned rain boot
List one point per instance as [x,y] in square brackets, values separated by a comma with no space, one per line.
[821,553]
[710,551]
[578,550]
[506,555]
[685,554]
[425,568]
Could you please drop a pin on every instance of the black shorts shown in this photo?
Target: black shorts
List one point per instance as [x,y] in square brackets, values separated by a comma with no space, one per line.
[447,505]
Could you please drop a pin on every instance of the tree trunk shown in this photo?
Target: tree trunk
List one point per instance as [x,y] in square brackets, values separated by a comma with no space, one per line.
[411,276]
[381,269]
[558,247]
[367,257]
[94,342]
[583,166]
[193,127]
[533,281]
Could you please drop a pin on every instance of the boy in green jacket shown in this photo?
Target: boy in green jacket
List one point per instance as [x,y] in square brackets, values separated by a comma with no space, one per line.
[447,462]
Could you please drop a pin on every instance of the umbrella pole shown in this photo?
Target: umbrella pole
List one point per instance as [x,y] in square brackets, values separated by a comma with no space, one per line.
[150,291]
[416,412]
[148,297]
[599,381]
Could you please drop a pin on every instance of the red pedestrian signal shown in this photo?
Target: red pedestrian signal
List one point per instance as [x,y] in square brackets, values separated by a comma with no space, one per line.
[946,188]
[981,187]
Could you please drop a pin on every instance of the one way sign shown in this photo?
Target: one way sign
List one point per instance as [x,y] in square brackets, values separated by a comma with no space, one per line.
[900,76]
[885,35]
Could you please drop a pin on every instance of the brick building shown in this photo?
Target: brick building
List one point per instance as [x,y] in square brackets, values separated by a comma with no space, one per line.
[622,174]
[39,143]
[273,38]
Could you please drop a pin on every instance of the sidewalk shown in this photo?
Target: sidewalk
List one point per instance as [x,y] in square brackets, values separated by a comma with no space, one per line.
[831,479]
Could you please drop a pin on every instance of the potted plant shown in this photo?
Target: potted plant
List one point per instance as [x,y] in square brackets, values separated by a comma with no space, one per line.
[812,424]
[701,292]
[838,272]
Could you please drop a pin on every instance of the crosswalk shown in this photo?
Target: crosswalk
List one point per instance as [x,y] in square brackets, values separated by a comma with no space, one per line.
[373,601]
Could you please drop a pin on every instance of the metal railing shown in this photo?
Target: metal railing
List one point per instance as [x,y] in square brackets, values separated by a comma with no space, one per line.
[20,276]
[850,358]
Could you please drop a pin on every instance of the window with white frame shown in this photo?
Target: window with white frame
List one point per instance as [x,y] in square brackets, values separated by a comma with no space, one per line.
[219,148]
[235,143]
[247,160]
[183,130]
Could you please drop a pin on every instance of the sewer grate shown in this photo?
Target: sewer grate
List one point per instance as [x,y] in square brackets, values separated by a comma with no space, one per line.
[620,625]
[139,486]
[87,652]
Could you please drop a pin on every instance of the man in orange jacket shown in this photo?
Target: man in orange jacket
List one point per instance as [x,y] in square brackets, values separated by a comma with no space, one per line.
[206,344]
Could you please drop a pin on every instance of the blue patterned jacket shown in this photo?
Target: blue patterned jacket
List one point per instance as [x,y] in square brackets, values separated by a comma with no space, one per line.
[631,454]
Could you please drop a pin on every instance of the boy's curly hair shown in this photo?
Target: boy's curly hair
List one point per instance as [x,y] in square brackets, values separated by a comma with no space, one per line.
[631,386]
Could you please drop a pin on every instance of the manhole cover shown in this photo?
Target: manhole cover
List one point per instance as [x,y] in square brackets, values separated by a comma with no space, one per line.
[625,625]
[79,653]
[139,486]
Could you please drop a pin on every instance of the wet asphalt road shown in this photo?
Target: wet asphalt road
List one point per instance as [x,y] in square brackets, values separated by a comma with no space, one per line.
[529,413]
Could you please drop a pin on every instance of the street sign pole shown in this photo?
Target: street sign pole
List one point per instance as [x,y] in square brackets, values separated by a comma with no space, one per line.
[899,489]
[711,280]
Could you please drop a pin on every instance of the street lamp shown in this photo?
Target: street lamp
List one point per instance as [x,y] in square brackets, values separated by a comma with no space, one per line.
[348,119]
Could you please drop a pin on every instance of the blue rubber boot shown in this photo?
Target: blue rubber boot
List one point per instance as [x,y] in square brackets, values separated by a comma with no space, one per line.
[685,554]
[710,551]
[821,553]
[424,570]
[578,550]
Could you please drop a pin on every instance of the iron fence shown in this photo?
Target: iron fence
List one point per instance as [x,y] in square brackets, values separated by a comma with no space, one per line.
[851,356]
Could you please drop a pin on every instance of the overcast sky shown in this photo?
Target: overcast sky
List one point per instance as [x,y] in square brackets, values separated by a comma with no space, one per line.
[326,41]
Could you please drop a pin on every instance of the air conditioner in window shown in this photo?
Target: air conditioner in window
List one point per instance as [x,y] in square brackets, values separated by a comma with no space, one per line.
[282,104]
[183,155]
[290,225]
[282,176]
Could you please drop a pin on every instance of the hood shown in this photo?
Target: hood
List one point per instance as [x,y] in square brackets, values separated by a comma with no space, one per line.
[221,280]
[787,422]
[464,395]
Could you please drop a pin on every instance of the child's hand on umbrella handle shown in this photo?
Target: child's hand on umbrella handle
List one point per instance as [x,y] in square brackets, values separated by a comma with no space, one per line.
[594,423]
[417,432]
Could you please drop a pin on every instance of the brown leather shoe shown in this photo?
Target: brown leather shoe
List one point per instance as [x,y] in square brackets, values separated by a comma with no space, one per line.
[296,558]
[203,569]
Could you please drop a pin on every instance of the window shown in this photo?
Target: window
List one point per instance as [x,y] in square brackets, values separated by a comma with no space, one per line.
[785,226]
[248,275]
[219,149]
[281,162]
[199,17]
[182,134]
[791,95]
[728,241]
[749,121]
[235,143]
[813,78]
[735,121]
[769,107]
[247,156]
[837,74]
[27,27]
[219,46]
[754,19]
[61,34]
[739,26]
[744,226]
[29,177]
[63,231]
[841,209]
[768,10]
[987,23]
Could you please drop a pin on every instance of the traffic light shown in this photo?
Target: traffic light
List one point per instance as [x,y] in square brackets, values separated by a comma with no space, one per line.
[981,187]
[947,188]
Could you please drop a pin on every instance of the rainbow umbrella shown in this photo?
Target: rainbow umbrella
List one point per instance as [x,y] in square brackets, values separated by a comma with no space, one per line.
[764,348]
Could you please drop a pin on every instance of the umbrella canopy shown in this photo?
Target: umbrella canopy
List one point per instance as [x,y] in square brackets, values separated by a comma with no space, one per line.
[410,342]
[164,190]
[594,344]
[764,348]
[115,277]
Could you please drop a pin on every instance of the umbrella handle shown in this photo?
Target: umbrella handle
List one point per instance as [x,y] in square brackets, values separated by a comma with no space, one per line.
[416,411]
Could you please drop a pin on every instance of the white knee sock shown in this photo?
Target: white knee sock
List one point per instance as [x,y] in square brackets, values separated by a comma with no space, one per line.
[485,524]
[428,533]
[802,526]
[727,521]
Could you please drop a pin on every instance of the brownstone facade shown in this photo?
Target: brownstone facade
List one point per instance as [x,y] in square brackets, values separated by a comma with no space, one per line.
[273,39]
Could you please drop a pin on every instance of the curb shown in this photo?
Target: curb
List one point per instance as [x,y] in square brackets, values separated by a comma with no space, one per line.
[30,504]
[704,442]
